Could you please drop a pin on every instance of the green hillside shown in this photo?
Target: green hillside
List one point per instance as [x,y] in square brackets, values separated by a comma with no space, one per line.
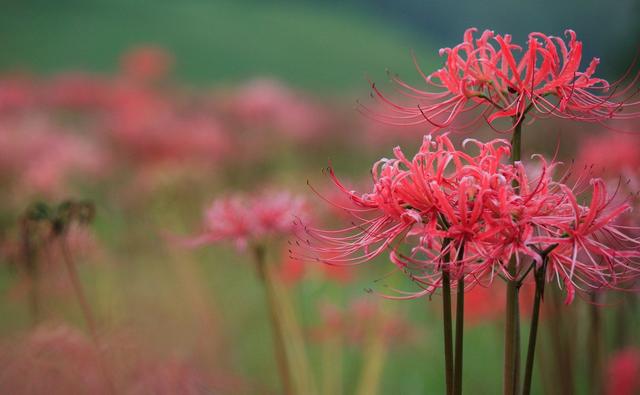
[310,45]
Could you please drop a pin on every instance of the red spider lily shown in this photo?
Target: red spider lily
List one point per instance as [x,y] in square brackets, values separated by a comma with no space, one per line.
[249,219]
[490,77]
[470,214]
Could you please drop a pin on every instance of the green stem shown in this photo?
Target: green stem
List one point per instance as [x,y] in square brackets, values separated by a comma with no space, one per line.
[533,331]
[447,321]
[595,346]
[276,327]
[457,386]
[561,327]
[512,323]
[516,142]
[511,338]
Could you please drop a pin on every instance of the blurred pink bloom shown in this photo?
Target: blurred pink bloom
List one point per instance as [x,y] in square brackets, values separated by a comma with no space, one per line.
[149,129]
[358,320]
[623,373]
[146,63]
[168,378]
[484,304]
[486,74]
[77,91]
[248,219]
[42,159]
[471,200]
[611,154]
[16,93]
[616,158]
[52,360]
[267,104]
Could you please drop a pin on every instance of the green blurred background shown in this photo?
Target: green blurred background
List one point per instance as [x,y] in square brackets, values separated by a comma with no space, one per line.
[328,45]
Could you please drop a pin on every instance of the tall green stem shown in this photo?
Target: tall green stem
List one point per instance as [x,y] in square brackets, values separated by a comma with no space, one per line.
[533,331]
[276,327]
[457,386]
[595,346]
[512,323]
[446,307]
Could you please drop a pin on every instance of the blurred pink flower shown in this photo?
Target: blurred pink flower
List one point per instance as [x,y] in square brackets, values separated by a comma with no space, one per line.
[358,320]
[611,154]
[149,129]
[169,378]
[17,92]
[77,91]
[267,104]
[52,360]
[42,159]
[146,63]
[484,74]
[616,158]
[623,373]
[248,219]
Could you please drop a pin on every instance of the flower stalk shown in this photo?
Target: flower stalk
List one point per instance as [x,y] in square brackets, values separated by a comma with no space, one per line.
[539,275]
[459,326]
[447,321]
[276,325]
[594,358]
[512,323]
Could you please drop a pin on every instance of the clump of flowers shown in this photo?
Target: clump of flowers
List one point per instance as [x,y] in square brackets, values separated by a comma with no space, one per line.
[469,214]
[501,79]
[453,218]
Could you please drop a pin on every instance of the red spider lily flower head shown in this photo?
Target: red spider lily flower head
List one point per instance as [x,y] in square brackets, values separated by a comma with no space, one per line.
[624,373]
[500,79]
[244,219]
[469,212]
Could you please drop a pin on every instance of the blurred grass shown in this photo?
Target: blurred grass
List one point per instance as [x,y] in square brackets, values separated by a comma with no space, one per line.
[314,46]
